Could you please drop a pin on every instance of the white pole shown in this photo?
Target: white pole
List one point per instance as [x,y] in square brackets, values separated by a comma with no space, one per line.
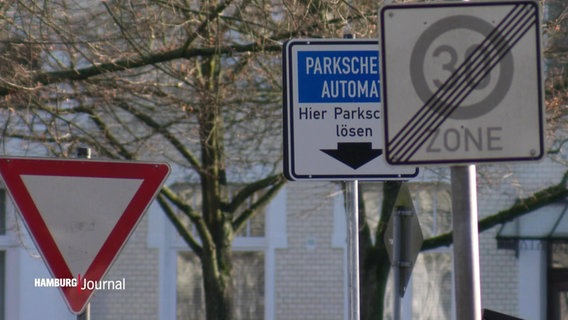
[352,214]
[466,243]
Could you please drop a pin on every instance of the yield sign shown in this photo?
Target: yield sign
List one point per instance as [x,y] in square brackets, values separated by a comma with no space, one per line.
[80,212]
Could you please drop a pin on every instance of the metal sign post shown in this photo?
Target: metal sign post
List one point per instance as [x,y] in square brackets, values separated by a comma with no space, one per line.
[403,241]
[397,237]
[85,315]
[352,215]
[466,243]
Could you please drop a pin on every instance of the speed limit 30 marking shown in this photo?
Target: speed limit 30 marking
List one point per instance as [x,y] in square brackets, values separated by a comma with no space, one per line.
[472,78]
[494,49]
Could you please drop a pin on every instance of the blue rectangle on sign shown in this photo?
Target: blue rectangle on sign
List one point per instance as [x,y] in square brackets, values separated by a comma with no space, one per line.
[338,76]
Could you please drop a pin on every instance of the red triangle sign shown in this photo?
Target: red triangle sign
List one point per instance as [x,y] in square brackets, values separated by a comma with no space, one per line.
[80,213]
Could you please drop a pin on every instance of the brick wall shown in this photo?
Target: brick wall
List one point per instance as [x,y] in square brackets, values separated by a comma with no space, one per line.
[498,188]
[310,272]
[139,266]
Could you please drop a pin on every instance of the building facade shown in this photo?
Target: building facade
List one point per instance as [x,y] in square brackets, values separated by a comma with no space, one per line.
[291,263]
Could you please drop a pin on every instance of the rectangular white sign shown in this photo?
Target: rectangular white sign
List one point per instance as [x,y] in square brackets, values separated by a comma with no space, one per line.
[332,112]
[462,82]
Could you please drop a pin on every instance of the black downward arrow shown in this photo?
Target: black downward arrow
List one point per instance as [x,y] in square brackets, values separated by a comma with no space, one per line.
[354,154]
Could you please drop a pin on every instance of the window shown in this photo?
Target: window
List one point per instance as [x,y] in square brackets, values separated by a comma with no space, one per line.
[433,204]
[248,286]
[558,280]
[432,275]
[248,267]
[431,285]
[254,227]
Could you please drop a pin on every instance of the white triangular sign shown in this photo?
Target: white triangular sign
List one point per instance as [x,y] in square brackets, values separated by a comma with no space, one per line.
[80,212]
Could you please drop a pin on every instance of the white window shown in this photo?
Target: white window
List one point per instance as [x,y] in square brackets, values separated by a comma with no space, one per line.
[248,286]
[248,268]
[432,278]
[429,293]
[253,265]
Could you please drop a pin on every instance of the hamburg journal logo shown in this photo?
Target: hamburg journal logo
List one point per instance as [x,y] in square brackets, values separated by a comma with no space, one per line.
[80,283]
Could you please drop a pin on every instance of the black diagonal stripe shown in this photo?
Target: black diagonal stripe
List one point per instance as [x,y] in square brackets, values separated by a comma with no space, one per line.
[461,83]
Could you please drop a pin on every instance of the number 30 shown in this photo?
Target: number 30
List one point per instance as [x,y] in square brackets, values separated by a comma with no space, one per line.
[451,65]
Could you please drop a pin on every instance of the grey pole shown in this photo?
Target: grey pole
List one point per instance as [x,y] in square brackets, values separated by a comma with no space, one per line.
[466,243]
[86,315]
[396,252]
[85,153]
[352,214]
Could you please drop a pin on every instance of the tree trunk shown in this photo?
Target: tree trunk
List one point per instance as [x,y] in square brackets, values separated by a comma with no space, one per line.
[217,265]
[368,265]
[216,259]
[373,286]
[375,264]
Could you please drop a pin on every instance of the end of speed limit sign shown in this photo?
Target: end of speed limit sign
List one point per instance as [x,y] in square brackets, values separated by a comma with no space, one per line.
[462,82]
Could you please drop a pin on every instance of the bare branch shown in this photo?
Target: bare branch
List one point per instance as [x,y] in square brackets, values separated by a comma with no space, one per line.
[538,200]
[181,229]
[247,214]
